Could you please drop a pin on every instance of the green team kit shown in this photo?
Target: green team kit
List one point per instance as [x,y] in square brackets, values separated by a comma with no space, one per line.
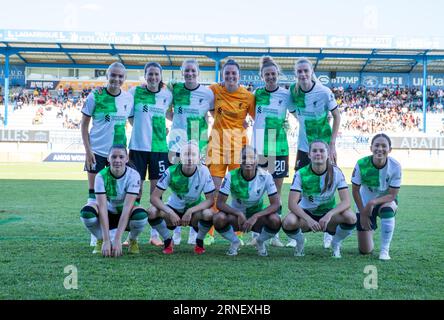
[248,195]
[311,185]
[116,188]
[312,108]
[269,135]
[109,113]
[376,182]
[186,190]
[149,126]
[189,120]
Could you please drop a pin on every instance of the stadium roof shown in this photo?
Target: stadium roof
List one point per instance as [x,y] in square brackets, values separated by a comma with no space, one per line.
[171,56]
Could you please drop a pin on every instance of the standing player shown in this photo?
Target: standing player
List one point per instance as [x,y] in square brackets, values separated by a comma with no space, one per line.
[186,206]
[247,186]
[191,103]
[312,201]
[269,135]
[109,109]
[148,144]
[313,102]
[116,188]
[376,181]
[232,104]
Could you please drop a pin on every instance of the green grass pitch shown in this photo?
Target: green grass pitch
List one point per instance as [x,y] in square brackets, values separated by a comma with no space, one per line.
[41,234]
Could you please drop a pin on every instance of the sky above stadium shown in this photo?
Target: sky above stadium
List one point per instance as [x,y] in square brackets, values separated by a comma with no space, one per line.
[285,17]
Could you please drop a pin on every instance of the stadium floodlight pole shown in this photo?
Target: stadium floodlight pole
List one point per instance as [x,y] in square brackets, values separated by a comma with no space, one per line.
[6,96]
[424,92]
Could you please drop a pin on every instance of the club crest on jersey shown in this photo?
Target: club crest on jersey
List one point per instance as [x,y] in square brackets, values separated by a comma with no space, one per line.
[259,109]
[107,118]
[200,100]
[145,108]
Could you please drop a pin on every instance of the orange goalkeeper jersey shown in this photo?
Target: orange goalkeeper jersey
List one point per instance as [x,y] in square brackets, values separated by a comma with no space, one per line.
[230,111]
[231,108]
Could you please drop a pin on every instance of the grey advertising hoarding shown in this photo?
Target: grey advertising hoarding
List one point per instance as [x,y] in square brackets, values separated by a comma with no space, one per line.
[24,136]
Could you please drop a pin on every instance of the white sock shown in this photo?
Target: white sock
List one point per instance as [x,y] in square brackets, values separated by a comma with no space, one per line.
[295,235]
[387,228]
[136,227]
[192,233]
[265,235]
[299,238]
[93,226]
[93,240]
[230,235]
[203,230]
[161,229]
[178,230]
[154,234]
[341,234]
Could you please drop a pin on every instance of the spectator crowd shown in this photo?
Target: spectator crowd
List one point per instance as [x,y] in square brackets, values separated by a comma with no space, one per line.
[362,110]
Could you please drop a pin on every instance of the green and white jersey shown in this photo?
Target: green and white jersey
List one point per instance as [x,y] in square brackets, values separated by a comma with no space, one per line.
[312,109]
[186,191]
[248,195]
[269,135]
[149,126]
[374,182]
[109,114]
[116,188]
[311,184]
[189,116]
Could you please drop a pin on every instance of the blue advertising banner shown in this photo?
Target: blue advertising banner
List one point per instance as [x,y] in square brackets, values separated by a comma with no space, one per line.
[65,157]
[355,79]
[40,84]
[16,75]
[236,40]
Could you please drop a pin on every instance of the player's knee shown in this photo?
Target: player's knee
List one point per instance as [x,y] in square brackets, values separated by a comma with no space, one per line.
[155,221]
[365,250]
[365,247]
[139,214]
[351,219]
[289,223]
[219,220]
[207,215]
[153,212]
[387,213]
[274,222]
[88,212]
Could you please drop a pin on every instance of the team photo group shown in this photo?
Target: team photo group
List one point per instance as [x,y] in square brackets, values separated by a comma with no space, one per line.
[217,179]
